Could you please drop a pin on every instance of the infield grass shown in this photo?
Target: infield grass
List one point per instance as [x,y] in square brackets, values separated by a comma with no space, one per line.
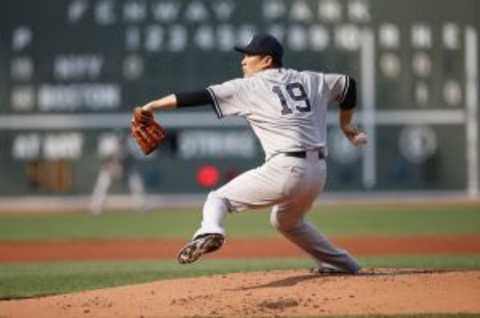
[332,220]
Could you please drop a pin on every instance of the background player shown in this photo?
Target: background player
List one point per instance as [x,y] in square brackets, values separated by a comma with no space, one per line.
[287,110]
[118,163]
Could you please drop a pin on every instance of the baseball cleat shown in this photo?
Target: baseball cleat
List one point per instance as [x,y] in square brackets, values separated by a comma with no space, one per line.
[203,244]
[327,269]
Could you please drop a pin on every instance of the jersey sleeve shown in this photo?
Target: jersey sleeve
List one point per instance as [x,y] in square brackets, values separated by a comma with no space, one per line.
[338,86]
[228,98]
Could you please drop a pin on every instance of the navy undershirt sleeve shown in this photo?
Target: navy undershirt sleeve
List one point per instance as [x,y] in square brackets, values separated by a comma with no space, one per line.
[350,100]
[195,98]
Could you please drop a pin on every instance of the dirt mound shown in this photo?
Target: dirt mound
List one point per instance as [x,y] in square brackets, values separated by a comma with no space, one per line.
[269,294]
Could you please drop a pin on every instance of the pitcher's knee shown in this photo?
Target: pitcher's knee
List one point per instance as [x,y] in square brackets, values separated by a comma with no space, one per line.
[215,202]
[212,195]
[284,223]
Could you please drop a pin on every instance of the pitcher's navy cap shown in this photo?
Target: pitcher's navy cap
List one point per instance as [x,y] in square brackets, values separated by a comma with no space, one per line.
[263,44]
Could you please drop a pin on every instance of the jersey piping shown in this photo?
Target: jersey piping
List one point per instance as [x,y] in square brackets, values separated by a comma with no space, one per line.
[216,106]
[345,89]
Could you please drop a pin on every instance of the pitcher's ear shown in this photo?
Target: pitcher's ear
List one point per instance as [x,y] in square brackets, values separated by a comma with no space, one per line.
[268,60]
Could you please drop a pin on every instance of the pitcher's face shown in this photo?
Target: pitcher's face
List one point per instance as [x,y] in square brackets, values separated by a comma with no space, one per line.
[252,64]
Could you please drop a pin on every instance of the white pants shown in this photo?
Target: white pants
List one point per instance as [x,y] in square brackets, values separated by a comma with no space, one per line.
[290,185]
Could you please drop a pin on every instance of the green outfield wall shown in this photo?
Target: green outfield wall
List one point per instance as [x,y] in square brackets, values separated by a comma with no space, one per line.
[72,70]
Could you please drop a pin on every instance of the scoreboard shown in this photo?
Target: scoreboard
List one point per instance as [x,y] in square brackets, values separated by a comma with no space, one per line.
[72,70]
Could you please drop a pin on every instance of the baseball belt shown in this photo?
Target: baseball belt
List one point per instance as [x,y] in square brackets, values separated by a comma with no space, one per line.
[303,154]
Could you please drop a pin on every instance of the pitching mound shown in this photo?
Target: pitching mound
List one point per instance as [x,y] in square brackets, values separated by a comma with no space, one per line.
[267,294]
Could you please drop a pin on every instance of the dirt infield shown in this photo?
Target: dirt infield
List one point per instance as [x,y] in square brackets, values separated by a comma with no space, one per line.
[268,294]
[30,251]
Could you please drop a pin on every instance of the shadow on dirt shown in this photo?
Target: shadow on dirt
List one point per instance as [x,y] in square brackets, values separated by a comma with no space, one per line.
[291,281]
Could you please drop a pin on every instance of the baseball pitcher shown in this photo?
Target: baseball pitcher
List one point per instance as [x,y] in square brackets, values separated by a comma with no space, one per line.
[287,110]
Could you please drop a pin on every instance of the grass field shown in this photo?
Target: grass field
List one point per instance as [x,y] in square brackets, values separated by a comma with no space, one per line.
[20,280]
[339,221]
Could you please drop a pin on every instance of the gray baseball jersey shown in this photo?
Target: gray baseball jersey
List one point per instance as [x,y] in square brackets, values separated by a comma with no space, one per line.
[286,108]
